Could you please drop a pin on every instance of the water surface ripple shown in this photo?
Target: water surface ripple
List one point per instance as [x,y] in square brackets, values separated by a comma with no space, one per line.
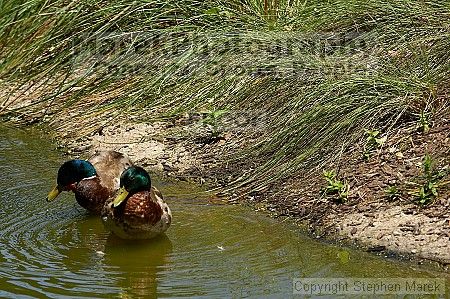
[57,250]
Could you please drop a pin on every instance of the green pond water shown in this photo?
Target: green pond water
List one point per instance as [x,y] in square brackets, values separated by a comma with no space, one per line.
[56,250]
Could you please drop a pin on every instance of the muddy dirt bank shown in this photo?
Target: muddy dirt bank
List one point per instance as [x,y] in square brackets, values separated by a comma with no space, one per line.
[368,218]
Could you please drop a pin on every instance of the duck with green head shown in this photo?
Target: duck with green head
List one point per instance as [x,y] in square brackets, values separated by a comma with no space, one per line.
[138,211]
[93,181]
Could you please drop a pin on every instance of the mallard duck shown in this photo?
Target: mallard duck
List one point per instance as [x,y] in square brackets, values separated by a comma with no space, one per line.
[93,181]
[138,211]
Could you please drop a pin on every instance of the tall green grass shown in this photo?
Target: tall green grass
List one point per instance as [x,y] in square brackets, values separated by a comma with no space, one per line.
[307,76]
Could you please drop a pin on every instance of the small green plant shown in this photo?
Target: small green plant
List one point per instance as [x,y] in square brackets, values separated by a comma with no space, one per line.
[373,142]
[427,166]
[423,124]
[426,193]
[431,176]
[212,121]
[335,186]
[392,193]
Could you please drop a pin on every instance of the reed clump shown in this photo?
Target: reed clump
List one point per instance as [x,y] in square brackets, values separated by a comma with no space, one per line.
[309,76]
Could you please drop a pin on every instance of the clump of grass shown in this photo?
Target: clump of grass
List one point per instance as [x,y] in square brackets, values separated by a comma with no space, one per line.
[312,75]
[335,186]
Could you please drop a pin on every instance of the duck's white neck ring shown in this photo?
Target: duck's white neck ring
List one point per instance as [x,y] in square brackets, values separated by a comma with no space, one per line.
[91,177]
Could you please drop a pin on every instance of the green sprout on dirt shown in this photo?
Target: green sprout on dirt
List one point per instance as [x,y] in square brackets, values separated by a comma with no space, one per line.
[423,124]
[427,166]
[335,186]
[431,181]
[426,193]
[212,121]
[392,193]
[373,142]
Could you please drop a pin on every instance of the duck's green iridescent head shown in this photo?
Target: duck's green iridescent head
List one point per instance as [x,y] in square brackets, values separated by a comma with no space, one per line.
[134,179]
[69,174]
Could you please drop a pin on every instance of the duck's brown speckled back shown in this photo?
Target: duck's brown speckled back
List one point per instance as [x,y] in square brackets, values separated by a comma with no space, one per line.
[109,166]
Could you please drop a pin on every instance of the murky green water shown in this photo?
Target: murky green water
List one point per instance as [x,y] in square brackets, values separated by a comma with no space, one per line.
[56,250]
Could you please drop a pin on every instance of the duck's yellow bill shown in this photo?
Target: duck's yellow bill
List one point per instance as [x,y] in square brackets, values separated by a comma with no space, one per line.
[54,193]
[120,197]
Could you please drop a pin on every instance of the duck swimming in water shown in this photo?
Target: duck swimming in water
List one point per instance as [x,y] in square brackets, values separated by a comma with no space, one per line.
[93,181]
[138,211]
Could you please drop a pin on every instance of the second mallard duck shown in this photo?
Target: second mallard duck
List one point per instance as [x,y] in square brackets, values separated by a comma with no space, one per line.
[138,211]
[93,181]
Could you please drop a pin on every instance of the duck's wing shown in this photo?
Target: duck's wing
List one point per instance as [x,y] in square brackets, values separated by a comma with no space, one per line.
[157,197]
[109,166]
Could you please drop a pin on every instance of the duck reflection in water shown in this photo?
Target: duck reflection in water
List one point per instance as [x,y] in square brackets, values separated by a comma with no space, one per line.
[131,265]
[137,263]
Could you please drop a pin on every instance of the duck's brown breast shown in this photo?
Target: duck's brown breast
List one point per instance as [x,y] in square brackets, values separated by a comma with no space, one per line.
[140,209]
[92,195]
